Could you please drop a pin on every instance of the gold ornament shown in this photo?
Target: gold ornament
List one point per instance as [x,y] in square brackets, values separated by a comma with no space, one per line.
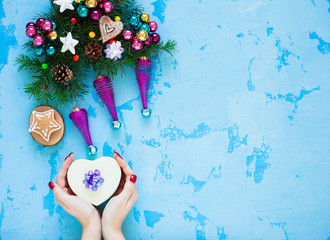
[117,19]
[91,34]
[144,17]
[52,35]
[142,35]
[78,1]
[91,3]
[109,29]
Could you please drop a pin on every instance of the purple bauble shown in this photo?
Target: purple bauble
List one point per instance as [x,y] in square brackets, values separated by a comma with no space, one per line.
[30,24]
[107,7]
[137,45]
[148,41]
[128,34]
[40,21]
[31,31]
[38,40]
[153,26]
[155,37]
[46,26]
[95,15]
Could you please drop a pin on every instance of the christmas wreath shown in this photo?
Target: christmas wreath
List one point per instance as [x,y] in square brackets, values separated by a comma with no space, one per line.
[76,36]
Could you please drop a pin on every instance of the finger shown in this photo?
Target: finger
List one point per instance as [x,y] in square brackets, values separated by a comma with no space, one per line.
[59,193]
[61,177]
[124,166]
[129,188]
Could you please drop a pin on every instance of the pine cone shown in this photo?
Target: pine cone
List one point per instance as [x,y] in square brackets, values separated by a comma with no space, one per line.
[62,73]
[93,50]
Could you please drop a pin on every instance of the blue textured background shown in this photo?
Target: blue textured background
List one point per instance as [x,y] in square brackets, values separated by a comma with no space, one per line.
[238,143]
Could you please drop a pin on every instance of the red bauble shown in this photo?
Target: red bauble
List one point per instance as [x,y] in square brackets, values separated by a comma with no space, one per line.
[153,26]
[73,20]
[155,37]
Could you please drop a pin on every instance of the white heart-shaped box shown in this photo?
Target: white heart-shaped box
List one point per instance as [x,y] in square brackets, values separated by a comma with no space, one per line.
[110,171]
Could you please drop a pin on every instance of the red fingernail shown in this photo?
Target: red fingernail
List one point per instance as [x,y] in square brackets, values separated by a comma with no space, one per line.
[118,154]
[133,178]
[51,185]
[68,156]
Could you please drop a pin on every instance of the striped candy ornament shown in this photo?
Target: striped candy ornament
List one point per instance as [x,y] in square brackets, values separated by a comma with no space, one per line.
[143,72]
[80,119]
[103,87]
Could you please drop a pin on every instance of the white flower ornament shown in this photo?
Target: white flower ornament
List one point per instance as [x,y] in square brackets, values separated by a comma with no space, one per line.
[114,50]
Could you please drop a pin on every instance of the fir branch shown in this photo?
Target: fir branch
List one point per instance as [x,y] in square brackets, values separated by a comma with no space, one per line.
[31,65]
[43,88]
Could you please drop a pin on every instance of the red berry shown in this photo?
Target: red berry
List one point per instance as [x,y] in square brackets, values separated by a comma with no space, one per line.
[112,41]
[75,58]
[73,20]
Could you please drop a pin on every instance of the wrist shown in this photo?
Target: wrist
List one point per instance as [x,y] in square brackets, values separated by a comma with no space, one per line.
[110,233]
[91,229]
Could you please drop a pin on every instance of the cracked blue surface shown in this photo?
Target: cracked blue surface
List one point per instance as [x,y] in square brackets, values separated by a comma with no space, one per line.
[237,145]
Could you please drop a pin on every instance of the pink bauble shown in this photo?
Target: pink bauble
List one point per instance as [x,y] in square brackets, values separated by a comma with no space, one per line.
[153,26]
[155,37]
[31,31]
[148,41]
[30,24]
[95,15]
[38,40]
[107,7]
[137,45]
[40,21]
[101,5]
[46,26]
[127,34]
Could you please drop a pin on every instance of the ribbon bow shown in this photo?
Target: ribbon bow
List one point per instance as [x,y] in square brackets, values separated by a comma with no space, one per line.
[93,180]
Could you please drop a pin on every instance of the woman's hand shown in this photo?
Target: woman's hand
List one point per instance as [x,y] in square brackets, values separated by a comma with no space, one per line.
[120,204]
[83,211]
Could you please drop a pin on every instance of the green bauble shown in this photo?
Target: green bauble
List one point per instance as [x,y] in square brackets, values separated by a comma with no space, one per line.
[50,50]
[134,20]
[44,66]
[82,11]
[39,51]
[54,25]
[145,27]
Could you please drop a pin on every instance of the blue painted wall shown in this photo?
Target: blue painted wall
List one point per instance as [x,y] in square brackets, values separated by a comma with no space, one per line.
[238,143]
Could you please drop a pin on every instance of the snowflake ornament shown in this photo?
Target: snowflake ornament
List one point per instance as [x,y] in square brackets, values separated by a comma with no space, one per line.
[64,5]
[69,43]
[114,50]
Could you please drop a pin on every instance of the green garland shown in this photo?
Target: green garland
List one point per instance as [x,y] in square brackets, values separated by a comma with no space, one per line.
[44,89]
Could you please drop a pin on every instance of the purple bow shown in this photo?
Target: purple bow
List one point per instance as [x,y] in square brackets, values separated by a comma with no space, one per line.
[93,180]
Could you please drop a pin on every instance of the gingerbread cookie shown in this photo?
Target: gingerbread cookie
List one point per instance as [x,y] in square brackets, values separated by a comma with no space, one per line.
[46,125]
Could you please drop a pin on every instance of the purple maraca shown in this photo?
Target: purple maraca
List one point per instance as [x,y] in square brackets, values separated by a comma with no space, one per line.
[103,87]
[80,119]
[143,72]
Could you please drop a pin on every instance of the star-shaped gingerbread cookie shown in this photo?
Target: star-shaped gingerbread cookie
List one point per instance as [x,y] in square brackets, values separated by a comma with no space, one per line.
[44,124]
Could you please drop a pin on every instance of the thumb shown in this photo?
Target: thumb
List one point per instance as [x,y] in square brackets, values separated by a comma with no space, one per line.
[129,187]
